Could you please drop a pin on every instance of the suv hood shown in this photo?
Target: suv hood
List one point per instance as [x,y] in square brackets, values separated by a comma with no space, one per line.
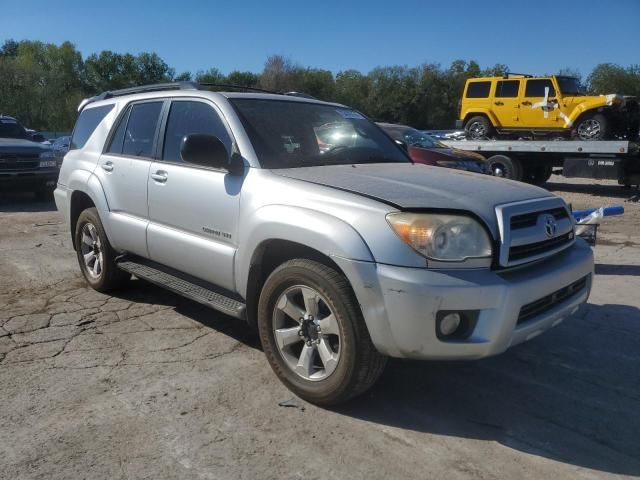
[415,186]
[21,146]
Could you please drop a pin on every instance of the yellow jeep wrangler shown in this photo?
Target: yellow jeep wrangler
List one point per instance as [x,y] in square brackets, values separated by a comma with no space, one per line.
[525,106]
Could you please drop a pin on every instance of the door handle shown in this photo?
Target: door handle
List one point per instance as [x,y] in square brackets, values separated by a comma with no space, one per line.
[526,103]
[498,103]
[107,166]
[160,176]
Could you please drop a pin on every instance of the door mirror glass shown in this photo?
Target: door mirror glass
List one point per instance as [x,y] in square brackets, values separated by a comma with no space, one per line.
[204,150]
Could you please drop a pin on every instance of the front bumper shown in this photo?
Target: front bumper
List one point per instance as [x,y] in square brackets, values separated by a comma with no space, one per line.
[400,304]
[28,180]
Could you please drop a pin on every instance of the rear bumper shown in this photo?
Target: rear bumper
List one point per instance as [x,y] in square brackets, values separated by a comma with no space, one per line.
[27,181]
[402,323]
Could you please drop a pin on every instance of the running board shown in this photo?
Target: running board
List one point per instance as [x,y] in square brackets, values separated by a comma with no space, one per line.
[182,284]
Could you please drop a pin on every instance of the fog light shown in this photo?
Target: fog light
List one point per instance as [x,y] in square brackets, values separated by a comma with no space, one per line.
[450,323]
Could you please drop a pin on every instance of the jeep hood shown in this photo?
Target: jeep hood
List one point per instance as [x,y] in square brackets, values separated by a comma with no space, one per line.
[20,146]
[415,186]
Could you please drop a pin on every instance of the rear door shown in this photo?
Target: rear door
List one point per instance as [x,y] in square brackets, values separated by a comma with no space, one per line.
[123,171]
[506,103]
[193,210]
[477,96]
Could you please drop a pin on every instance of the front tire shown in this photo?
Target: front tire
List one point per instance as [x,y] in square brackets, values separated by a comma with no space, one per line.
[95,254]
[313,333]
[505,167]
[591,127]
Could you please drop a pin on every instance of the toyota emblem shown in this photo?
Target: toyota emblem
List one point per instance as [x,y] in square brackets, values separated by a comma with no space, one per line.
[550,225]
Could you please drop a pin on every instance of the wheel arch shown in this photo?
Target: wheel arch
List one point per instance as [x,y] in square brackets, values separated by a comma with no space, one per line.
[482,113]
[86,192]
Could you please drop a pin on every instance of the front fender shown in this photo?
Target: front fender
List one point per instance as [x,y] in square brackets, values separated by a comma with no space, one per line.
[589,105]
[322,232]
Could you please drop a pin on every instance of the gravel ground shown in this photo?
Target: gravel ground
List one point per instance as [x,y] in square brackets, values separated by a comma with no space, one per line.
[145,384]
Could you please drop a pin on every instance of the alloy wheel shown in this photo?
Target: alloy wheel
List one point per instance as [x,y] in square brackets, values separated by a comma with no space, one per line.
[307,333]
[91,249]
[589,129]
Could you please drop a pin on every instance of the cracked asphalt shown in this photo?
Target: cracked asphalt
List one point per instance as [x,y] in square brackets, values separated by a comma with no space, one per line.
[145,384]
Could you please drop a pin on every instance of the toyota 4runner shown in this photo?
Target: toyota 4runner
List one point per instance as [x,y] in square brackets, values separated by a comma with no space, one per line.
[523,105]
[341,255]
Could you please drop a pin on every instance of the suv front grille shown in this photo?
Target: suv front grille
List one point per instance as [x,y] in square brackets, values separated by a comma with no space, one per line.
[533,249]
[530,219]
[18,162]
[533,230]
[547,303]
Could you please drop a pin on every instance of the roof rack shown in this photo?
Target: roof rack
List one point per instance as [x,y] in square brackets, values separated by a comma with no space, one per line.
[512,74]
[187,85]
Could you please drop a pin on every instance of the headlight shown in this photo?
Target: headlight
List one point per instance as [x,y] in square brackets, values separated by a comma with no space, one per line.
[445,238]
[47,159]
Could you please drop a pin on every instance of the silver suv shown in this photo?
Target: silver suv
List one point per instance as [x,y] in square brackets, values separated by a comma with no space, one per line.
[341,252]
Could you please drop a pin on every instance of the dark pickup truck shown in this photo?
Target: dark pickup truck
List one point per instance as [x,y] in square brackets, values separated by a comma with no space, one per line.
[25,165]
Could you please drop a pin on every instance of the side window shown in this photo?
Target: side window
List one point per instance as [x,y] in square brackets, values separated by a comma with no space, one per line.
[507,88]
[86,124]
[118,137]
[187,117]
[535,88]
[478,89]
[141,129]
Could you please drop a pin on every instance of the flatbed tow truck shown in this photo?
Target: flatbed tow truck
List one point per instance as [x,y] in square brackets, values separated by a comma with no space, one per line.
[534,161]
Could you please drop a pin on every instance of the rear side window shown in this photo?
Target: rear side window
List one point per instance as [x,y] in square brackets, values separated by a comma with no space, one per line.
[136,132]
[187,117]
[507,88]
[535,88]
[88,121]
[478,89]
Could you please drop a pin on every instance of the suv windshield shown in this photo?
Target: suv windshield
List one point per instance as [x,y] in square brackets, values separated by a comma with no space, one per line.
[570,86]
[292,134]
[11,129]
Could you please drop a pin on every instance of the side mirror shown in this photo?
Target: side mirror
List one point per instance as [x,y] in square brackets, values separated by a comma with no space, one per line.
[204,150]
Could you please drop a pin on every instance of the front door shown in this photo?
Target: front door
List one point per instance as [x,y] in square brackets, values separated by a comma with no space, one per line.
[506,104]
[193,210]
[123,170]
[539,105]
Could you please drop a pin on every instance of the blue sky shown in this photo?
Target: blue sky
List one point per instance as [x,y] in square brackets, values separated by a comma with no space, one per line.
[536,36]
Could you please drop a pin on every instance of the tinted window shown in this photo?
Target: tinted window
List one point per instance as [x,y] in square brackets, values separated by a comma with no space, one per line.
[535,88]
[291,134]
[87,122]
[118,137]
[191,117]
[478,89]
[141,129]
[11,129]
[507,88]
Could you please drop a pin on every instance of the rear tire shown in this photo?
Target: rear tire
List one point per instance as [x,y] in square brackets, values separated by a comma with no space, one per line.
[591,126]
[537,175]
[96,256]
[313,333]
[505,167]
[479,128]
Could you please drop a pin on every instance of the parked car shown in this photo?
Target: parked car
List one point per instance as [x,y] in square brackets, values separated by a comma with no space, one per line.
[340,257]
[423,148]
[523,105]
[25,164]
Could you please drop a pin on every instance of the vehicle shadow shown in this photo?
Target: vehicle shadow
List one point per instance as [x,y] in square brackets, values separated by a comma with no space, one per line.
[12,202]
[571,395]
[140,291]
[595,189]
[611,269]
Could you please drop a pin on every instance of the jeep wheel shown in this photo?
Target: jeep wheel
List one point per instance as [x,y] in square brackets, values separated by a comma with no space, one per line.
[96,256]
[313,333]
[505,167]
[591,127]
[479,128]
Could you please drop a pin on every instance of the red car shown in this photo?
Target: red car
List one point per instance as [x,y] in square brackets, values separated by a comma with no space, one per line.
[424,149]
